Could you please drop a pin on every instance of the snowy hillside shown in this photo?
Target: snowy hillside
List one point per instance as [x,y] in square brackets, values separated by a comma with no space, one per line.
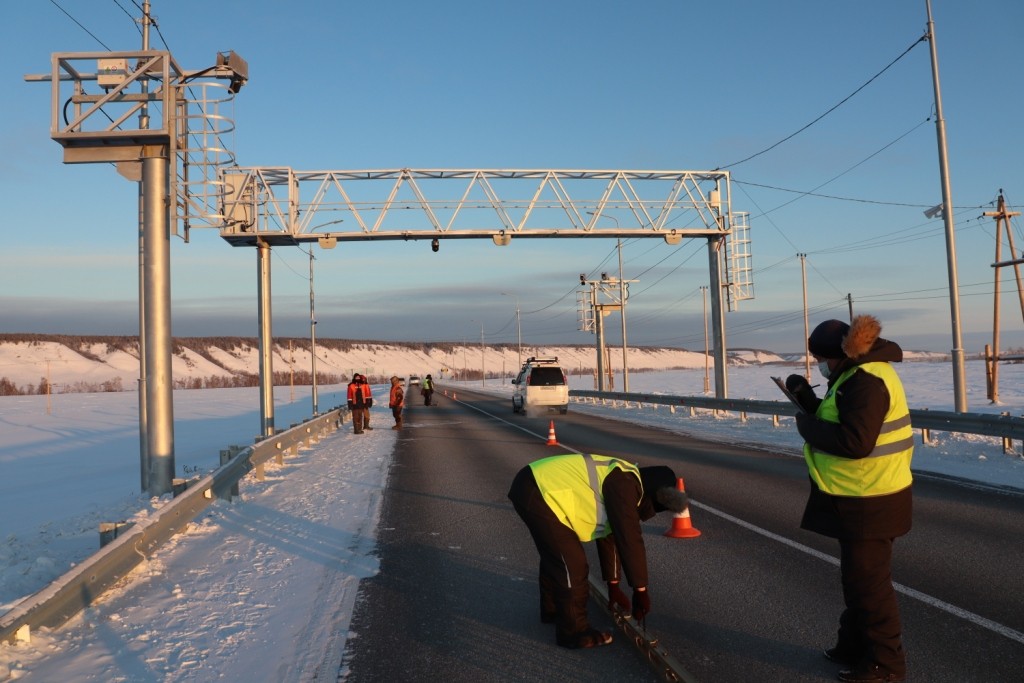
[73,363]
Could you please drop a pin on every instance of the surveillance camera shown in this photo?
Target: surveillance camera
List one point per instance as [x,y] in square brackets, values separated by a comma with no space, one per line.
[435,245]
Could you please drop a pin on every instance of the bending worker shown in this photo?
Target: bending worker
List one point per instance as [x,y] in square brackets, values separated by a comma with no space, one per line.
[566,500]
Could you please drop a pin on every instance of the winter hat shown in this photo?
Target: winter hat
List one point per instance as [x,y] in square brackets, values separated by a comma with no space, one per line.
[659,484]
[826,341]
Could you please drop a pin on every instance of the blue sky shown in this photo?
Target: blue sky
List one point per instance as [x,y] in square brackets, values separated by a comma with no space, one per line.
[574,84]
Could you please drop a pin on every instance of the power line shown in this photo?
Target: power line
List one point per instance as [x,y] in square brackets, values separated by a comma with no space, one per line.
[839,104]
[80,25]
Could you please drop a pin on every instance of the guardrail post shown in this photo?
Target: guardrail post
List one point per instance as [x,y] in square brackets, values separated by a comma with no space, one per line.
[111,530]
[225,455]
[926,435]
[743,416]
[1007,441]
[279,456]
[775,420]
[692,411]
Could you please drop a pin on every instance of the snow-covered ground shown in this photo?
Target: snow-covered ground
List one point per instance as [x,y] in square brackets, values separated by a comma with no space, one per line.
[264,586]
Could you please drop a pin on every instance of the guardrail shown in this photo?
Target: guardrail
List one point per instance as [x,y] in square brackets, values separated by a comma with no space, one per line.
[80,587]
[1005,426]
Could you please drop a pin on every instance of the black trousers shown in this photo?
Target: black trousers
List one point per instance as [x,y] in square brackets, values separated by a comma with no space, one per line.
[869,627]
[564,570]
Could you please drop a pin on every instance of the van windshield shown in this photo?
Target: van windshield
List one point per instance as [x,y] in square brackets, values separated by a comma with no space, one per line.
[547,377]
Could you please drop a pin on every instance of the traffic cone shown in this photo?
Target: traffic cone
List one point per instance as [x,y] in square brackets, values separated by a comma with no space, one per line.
[455,397]
[681,525]
[552,441]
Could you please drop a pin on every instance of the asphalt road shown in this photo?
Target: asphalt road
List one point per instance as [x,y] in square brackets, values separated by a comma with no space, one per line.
[754,598]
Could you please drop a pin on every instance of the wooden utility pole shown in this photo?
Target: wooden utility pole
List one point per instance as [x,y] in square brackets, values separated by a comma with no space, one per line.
[1002,217]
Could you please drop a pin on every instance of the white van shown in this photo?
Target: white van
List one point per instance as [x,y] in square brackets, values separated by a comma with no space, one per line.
[541,383]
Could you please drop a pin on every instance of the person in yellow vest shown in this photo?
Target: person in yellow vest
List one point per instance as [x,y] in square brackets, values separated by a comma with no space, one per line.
[858,447]
[567,500]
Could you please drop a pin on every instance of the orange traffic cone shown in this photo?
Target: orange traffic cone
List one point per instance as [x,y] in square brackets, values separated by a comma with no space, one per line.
[681,526]
[552,441]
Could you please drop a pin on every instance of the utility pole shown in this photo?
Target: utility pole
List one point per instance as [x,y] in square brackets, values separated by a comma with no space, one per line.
[1002,217]
[807,333]
[959,379]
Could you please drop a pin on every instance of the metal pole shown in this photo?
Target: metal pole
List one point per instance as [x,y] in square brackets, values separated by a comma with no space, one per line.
[807,327]
[143,429]
[266,352]
[157,303]
[599,324]
[959,382]
[482,373]
[715,244]
[312,331]
[707,381]
[519,333]
[622,302]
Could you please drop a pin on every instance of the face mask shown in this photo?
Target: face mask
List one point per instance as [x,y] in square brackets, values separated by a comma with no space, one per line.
[823,369]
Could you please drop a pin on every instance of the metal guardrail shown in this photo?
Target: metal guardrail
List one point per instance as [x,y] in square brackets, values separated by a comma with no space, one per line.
[987,424]
[77,589]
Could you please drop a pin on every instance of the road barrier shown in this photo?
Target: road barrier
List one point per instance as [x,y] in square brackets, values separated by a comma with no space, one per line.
[81,586]
[1003,425]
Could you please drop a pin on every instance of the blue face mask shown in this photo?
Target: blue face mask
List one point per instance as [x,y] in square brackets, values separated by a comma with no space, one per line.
[823,369]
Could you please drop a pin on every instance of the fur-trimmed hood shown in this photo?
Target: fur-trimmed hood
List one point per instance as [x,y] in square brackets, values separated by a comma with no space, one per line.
[858,342]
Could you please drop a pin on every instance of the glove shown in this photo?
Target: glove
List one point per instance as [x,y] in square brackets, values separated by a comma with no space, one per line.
[797,383]
[641,604]
[617,600]
[802,390]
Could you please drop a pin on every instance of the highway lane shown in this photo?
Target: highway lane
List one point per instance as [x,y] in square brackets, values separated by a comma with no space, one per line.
[753,598]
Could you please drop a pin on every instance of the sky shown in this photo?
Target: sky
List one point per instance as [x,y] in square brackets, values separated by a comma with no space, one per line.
[187,625]
[822,112]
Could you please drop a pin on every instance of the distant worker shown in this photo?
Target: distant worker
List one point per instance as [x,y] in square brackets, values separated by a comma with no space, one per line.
[396,400]
[364,386]
[359,402]
[427,389]
[858,447]
[566,500]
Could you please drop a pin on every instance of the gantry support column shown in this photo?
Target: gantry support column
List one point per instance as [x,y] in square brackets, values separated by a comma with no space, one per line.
[156,270]
[266,341]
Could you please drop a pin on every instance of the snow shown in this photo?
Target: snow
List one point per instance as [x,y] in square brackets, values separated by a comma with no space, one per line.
[264,586]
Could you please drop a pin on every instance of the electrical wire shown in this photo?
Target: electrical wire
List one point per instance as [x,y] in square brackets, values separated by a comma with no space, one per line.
[836,106]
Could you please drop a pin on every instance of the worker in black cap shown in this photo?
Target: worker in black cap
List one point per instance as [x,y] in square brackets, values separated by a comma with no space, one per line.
[566,500]
[858,447]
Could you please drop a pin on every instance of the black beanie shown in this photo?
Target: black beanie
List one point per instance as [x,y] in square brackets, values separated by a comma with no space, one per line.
[826,341]
[654,478]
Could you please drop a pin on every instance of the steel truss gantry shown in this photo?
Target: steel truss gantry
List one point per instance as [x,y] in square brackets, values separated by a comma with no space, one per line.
[267,203]
[266,206]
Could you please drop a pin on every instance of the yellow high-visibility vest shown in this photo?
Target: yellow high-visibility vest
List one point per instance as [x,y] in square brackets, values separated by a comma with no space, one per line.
[887,468]
[571,486]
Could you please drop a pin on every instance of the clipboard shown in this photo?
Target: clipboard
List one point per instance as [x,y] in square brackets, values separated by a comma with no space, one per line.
[789,394]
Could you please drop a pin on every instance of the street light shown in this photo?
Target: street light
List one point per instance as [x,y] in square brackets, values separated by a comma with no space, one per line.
[519,329]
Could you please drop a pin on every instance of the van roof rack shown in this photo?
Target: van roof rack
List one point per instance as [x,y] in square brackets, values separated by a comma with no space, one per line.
[549,359]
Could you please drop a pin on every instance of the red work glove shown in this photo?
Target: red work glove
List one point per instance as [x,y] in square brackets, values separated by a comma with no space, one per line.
[641,604]
[617,600]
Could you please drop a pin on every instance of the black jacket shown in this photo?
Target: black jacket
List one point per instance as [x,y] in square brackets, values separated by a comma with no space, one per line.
[862,402]
[622,494]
